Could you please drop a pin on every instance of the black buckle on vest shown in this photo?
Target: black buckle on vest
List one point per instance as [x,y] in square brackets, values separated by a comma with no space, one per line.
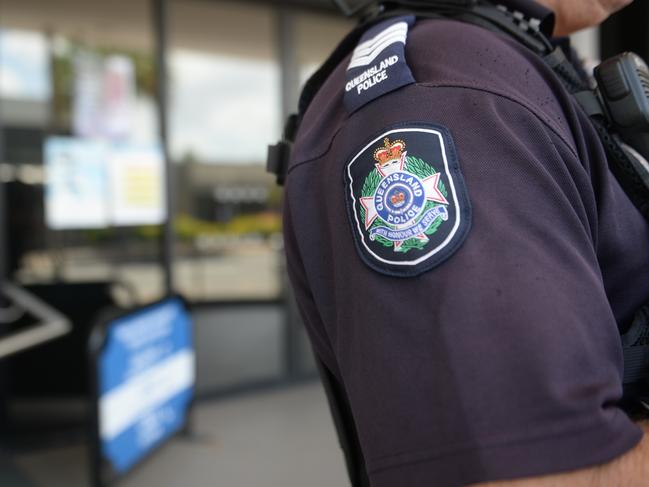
[279,154]
[277,160]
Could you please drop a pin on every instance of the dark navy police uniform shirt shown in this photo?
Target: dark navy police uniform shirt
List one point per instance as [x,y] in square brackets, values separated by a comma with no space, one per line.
[478,340]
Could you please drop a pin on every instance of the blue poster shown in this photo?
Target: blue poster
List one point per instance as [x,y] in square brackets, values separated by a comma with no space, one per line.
[146,381]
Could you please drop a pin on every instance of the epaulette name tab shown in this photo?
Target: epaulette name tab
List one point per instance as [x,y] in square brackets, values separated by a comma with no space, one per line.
[378,64]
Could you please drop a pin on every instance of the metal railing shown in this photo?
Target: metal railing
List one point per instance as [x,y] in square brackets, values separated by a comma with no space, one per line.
[50,325]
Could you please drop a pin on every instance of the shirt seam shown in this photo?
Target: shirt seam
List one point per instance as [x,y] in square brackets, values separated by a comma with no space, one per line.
[425,455]
[497,93]
[513,99]
[316,157]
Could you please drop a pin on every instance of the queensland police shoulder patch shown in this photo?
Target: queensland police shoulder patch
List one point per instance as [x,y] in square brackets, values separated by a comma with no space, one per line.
[407,201]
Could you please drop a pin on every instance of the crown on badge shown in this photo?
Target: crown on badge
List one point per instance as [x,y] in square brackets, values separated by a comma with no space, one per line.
[389,152]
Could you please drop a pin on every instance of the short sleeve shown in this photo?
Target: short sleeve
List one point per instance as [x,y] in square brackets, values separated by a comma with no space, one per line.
[504,359]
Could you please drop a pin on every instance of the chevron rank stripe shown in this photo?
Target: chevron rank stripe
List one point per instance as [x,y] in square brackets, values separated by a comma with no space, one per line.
[378,64]
[366,52]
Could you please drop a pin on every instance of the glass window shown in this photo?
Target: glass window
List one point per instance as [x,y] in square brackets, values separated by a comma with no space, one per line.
[317,35]
[82,158]
[224,112]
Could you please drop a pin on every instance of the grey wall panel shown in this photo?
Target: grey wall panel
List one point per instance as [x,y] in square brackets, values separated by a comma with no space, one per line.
[236,345]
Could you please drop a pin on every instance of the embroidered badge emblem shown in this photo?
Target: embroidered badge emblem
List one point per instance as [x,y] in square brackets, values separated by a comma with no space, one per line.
[408,204]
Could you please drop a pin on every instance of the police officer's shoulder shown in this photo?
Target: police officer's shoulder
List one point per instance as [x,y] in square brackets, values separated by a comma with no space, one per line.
[438,53]
[447,53]
[407,202]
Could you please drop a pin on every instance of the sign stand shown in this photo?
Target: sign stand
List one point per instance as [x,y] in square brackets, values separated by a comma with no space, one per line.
[142,378]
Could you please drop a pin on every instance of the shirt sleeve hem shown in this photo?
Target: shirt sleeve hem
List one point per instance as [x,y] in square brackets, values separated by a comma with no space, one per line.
[548,455]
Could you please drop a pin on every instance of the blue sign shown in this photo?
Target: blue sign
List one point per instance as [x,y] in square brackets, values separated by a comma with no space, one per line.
[146,374]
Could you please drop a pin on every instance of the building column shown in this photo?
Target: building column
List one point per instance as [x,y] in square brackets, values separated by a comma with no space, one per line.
[3,277]
[160,14]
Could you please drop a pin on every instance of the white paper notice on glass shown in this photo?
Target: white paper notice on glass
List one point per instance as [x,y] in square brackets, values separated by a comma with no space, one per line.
[104,96]
[137,182]
[119,97]
[76,192]
[88,95]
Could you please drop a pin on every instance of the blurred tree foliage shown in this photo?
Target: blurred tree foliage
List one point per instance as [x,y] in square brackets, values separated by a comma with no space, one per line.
[187,227]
